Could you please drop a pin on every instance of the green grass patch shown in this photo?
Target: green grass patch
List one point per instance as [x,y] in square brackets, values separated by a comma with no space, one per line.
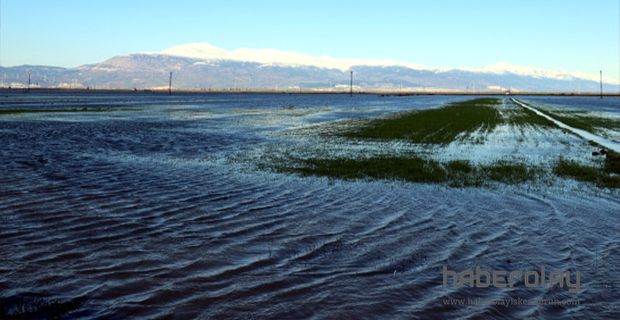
[602,177]
[456,173]
[612,162]
[509,172]
[462,173]
[435,126]
[460,166]
[525,117]
[410,169]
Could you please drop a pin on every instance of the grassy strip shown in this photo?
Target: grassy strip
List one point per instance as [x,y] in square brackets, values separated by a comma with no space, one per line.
[415,169]
[612,162]
[583,122]
[525,117]
[456,173]
[437,126]
[602,177]
[510,172]
[589,123]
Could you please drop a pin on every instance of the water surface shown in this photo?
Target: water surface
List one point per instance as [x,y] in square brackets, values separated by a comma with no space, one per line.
[151,210]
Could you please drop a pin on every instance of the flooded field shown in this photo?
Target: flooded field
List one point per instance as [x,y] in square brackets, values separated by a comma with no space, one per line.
[117,206]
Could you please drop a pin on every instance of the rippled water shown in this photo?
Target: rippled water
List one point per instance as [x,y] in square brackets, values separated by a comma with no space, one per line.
[146,211]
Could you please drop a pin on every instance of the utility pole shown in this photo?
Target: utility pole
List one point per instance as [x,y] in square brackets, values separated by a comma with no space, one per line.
[28,81]
[601,84]
[170,85]
[351,86]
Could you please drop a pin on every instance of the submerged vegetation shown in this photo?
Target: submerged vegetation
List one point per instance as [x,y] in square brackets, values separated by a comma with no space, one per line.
[404,168]
[606,177]
[438,126]
[455,173]
[416,169]
[525,117]
[443,126]
[510,172]
[612,162]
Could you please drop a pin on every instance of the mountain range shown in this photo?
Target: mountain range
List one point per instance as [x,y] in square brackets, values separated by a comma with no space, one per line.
[201,66]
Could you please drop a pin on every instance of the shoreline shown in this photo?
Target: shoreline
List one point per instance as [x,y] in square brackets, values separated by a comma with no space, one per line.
[386,93]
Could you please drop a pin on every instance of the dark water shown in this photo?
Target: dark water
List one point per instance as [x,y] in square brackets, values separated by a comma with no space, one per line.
[144,212]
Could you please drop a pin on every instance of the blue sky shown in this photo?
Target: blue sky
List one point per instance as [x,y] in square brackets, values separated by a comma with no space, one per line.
[571,35]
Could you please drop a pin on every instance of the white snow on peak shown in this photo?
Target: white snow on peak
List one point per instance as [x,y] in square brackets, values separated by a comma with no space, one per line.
[275,57]
[505,67]
[206,51]
[198,50]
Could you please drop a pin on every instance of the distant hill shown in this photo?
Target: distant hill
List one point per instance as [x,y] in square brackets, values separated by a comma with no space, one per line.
[212,69]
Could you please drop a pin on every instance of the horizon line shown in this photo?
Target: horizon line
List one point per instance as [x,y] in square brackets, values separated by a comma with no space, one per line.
[297,91]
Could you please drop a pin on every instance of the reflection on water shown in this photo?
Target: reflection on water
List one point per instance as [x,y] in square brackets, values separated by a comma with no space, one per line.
[143,214]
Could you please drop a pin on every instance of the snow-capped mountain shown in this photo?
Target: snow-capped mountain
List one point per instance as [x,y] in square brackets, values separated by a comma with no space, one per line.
[206,51]
[203,66]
